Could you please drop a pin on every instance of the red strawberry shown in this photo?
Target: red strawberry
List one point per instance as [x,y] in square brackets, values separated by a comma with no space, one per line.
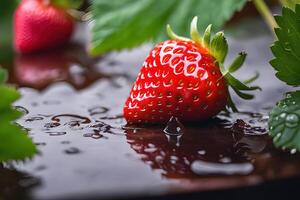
[184,78]
[39,25]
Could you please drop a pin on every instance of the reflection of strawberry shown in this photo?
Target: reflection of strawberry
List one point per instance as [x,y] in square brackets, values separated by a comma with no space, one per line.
[65,64]
[175,161]
[39,25]
[38,70]
[184,78]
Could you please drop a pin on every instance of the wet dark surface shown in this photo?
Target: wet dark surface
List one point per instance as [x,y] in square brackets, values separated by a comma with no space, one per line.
[72,108]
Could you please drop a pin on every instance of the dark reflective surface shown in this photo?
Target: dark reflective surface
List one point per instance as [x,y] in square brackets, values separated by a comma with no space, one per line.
[72,108]
[15,184]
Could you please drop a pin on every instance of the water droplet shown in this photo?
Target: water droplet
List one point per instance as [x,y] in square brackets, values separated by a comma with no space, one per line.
[31,119]
[201,152]
[95,135]
[173,159]
[287,46]
[34,104]
[74,120]
[101,127]
[240,126]
[98,110]
[22,109]
[150,150]
[292,120]
[293,151]
[59,133]
[276,138]
[51,102]
[40,168]
[283,115]
[40,143]
[72,150]
[174,127]
[51,125]
[205,168]
[225,160]
[265,118]
[174,139]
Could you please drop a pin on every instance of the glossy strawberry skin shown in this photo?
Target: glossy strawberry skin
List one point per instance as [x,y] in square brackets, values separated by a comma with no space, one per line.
[38,26]
[178,78]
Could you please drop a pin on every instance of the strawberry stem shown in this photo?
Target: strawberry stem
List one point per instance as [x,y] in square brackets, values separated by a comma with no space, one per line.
[265,12]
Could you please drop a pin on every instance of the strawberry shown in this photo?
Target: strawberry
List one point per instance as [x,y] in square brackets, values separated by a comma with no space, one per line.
[185,78]
[39,25]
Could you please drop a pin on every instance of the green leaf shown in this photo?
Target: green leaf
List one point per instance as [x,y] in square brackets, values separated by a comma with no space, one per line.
[287,49]
[236,84]
[7,8]
[243,95]
[206,36]
[284,122]
[128,23]
[14,143]
[219,47]
[195,35]
[238,62]
[6,34]
[174,36]
[3,75]
[8,96]
[68,4]
[251,79]
[290,3]
[10,114]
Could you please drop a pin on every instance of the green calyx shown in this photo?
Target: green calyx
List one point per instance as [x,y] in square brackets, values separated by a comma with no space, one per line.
[65,4]
[217,46]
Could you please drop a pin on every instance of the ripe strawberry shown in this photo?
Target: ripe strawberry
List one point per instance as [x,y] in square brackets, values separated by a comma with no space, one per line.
[185,78]
[39,25]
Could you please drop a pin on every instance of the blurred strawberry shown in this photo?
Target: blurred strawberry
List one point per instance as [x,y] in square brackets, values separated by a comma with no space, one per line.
[39,25]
